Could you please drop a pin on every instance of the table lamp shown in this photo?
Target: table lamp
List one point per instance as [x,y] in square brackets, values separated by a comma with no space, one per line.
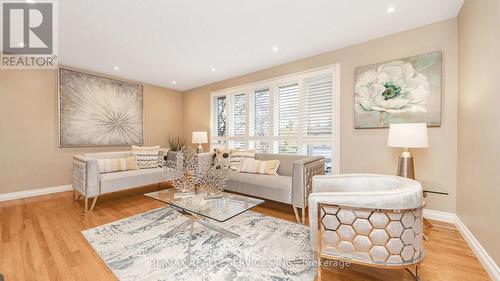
[407,135]
[199,138]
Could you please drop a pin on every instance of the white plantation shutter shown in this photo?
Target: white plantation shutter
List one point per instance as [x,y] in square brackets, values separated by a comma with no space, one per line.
[237,122]
[220,116]
[259,110]
[286,108]
[318,104]
[294,114]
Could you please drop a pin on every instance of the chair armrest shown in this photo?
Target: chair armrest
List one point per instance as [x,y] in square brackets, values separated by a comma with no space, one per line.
[86,176]
[303,172]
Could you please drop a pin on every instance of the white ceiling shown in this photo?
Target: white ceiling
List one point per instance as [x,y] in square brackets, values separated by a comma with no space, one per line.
[159,41]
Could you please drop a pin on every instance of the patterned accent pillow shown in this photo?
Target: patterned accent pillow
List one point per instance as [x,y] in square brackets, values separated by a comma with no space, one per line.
[253,166]
[236,157]
[156,149]
[221,158]
[146,159]
[117,164]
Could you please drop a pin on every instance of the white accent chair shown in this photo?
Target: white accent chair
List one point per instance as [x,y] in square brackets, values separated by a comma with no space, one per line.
[373,220]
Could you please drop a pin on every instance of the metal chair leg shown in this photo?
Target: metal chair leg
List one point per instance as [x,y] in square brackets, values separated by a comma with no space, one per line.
[416,274]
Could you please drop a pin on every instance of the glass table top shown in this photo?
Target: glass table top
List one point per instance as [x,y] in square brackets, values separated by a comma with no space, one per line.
[220,208]
[435,188]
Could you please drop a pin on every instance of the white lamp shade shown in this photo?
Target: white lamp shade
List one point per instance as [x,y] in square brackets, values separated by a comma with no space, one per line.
[408,135]
[200,137]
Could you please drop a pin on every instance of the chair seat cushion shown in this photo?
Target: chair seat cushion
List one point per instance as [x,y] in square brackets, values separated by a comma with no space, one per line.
[128,179]
[272,187]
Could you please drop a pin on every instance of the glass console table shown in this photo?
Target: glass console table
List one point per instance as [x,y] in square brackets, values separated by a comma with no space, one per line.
[432,188]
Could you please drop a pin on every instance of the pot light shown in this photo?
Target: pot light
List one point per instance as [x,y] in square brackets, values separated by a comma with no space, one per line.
[212,69]
[116,68]
[391,9]
[275,48]
[174,82]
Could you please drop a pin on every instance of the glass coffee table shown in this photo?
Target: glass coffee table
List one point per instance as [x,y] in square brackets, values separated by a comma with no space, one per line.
[200,208]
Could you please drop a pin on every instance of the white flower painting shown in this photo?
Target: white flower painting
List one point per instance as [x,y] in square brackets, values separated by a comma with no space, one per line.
[401,91]
[97,111]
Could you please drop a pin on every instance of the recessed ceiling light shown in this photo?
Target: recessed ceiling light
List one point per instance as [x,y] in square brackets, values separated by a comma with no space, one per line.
[275,48]
[116,68]
[212,69]
[174,82]
[391,9]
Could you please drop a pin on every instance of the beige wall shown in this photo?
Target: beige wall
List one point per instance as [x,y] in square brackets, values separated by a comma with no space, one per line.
[365,150]
[478,192]
[30,157]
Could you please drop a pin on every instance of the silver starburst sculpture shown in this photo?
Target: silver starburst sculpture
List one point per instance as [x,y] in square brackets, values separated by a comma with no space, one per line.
[181,172]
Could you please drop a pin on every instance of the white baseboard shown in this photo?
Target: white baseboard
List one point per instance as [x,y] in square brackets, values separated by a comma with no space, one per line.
[34,192]
[440,216]
[484,258]
[488,263]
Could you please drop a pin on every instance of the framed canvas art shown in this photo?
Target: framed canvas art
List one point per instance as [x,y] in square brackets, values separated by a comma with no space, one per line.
[98,111]
[406,90]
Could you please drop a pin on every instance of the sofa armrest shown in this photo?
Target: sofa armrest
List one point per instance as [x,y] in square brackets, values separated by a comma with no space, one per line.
[86,177]
[303,172]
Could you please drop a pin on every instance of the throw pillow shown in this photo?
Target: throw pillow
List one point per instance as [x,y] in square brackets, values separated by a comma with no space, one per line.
[221,158]
[117,164]
[145,148]
[236,157]
[269,167]
[137,150]
[146,159]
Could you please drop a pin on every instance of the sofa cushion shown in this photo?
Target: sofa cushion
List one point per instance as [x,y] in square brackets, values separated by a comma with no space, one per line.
[111,165]
[272,187]
[286,161]
[134,178]
[269,167]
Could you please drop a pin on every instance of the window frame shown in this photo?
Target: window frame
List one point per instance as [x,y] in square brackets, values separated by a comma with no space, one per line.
[272,84]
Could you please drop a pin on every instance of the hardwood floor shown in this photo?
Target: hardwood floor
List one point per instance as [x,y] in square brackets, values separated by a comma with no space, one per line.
[40,240]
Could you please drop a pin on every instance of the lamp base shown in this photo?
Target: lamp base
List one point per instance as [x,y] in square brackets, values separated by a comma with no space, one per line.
[199,149]
[405,165]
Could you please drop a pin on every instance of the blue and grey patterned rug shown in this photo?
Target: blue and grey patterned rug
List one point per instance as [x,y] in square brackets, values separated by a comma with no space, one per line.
[137,248]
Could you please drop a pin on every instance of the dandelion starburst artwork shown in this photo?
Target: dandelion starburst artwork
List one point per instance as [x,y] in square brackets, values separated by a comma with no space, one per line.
[97,111]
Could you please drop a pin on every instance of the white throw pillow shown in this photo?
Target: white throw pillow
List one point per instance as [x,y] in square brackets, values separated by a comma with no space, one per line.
[269,167]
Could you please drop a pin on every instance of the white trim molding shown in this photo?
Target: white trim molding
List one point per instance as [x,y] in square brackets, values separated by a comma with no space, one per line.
[34,192]
[482,255]
[440,216]
[484,258]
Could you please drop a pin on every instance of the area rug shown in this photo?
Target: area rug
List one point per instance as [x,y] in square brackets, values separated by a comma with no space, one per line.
[138,248]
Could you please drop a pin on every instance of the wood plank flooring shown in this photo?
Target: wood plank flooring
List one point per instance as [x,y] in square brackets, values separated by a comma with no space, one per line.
[40,240]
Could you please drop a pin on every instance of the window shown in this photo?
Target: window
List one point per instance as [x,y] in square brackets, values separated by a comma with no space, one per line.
[295,114]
